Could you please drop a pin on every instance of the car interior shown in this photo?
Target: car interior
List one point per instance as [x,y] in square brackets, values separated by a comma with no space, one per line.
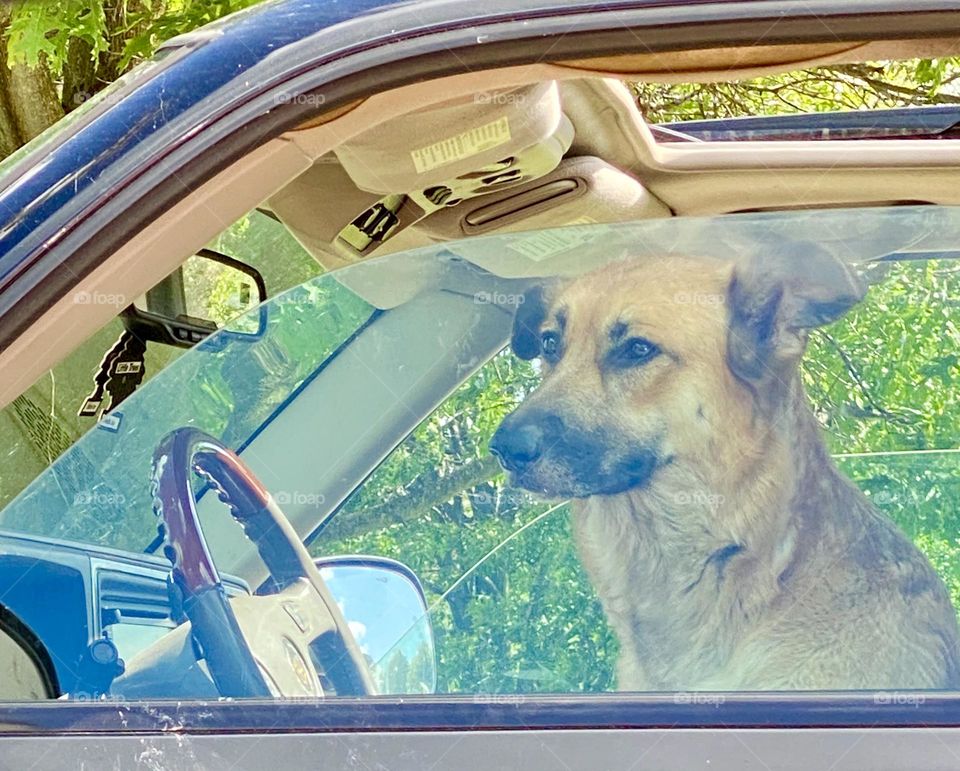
[523,148]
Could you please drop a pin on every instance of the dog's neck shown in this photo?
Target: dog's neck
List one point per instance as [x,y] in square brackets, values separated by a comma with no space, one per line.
[704,544]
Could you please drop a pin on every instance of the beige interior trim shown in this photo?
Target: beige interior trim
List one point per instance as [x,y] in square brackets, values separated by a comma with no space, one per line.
[379,108]
[710,65]
[695,179]
[141,263]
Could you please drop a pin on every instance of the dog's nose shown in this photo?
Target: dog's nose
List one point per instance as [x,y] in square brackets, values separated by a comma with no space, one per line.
[526,436]
[517,445]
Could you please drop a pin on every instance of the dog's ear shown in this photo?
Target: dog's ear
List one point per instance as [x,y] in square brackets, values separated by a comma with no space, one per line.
[527,321]
[774,298]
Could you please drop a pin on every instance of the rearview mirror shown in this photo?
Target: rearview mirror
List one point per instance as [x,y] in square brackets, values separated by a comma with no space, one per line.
[201,296]
[383,603]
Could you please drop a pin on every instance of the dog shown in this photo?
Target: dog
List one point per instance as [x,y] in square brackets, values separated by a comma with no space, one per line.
[727,550]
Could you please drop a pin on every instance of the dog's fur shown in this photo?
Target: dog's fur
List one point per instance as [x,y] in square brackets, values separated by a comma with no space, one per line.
[727,550]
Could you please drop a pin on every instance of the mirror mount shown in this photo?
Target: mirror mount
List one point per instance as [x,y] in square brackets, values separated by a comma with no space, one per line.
[209,283]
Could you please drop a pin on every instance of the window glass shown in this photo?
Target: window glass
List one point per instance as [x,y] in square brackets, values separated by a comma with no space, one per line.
[659,456]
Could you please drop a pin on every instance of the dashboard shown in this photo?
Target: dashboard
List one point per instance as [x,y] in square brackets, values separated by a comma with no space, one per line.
[83,610]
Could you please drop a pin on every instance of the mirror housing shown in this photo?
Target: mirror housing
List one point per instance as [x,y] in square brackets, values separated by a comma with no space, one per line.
[198,298]
[384,605]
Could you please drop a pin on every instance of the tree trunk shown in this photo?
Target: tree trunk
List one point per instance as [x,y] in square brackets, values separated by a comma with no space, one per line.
[10,138]
[79,75]
[34,98]
[29,102]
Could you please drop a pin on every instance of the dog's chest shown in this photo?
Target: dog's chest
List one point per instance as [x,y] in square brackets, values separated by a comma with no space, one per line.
[664,594]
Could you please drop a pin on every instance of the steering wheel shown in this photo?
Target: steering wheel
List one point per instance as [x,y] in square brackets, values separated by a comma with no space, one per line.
[257,646]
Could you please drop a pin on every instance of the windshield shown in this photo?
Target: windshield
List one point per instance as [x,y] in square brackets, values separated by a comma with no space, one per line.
[231,386]
[98,491]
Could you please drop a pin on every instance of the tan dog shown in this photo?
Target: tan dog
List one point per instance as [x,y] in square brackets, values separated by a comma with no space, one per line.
[727,550]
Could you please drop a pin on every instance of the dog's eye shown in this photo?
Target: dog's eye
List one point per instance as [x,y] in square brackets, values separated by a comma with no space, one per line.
[550,346]
[634,351]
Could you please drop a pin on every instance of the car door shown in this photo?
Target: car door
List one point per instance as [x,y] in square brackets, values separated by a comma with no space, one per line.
[69,218]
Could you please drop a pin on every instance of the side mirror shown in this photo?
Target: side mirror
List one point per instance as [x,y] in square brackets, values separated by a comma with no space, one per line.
[384,606]
[198,298]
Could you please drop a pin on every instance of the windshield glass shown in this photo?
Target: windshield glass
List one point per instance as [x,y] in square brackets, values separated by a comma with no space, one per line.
[231,385]
[99,491]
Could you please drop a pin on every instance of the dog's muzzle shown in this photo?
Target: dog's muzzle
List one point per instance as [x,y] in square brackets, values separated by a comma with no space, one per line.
[545,455]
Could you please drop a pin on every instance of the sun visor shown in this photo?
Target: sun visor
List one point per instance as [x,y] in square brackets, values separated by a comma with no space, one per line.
[480,138]
[362,199]
[317,205]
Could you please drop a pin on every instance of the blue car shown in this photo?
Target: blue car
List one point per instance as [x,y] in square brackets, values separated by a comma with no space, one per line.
[380,388]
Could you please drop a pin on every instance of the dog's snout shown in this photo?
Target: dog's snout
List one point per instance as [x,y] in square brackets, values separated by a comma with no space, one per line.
[516,448]
[518,443]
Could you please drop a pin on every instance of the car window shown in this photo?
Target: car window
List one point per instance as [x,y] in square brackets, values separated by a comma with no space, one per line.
[661,456]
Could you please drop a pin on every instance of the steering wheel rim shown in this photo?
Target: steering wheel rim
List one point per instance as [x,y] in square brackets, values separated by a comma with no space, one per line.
[229,655]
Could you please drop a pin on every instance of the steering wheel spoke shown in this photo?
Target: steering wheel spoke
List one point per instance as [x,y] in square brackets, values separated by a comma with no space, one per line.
[280,630]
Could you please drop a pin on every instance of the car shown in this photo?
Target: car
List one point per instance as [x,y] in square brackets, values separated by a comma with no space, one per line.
[257,301]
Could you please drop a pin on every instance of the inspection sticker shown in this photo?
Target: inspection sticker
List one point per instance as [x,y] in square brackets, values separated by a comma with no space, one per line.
[465,145]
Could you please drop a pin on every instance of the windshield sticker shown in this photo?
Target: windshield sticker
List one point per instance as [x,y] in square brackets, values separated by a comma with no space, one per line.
[544,244]
[110,422]
[462,146]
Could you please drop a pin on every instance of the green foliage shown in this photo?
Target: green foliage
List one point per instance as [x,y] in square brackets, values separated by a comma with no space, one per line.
[155,22]
[883,383]
[43,30]
[821,89]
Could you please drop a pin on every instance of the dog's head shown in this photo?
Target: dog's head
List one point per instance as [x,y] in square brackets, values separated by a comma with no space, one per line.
[654,362]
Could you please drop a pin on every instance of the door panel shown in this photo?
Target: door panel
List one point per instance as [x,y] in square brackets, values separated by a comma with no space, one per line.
[665,750]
